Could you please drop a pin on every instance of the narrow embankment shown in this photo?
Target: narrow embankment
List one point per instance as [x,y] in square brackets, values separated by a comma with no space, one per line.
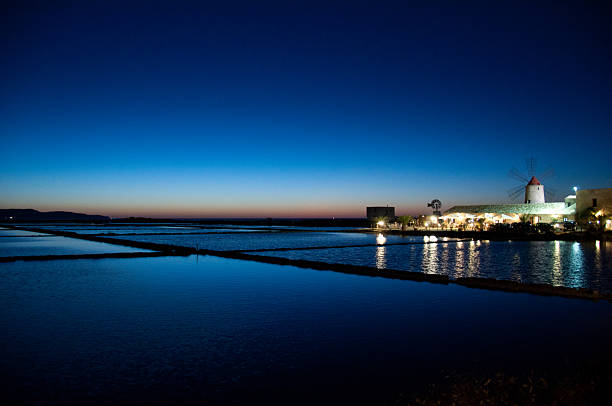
[503,236]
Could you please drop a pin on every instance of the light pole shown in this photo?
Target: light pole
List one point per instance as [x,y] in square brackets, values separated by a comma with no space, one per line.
[575,211]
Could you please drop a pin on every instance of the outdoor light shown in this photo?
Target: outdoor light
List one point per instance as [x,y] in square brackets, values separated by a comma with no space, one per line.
[381,223]
[575,189]
[380,239]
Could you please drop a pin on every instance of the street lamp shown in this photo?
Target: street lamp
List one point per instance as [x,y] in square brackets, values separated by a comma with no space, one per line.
[575,189]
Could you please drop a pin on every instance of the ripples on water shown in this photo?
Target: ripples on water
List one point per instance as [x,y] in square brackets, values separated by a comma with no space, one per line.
[274,240]
[558,263]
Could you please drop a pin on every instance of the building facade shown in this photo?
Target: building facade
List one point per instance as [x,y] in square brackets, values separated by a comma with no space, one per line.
[379,212]
[511,213]
[599,199]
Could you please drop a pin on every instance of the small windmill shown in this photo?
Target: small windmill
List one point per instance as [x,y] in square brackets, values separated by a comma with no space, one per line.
[531,185]
[435,205]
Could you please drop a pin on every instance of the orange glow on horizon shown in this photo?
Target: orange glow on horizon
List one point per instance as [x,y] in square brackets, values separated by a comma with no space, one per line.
[236,211]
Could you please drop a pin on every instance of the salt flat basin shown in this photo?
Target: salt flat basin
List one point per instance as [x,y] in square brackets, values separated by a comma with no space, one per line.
[7,232]
[569,264]
[271,240]
[35,245]
[215,330]
[557,263]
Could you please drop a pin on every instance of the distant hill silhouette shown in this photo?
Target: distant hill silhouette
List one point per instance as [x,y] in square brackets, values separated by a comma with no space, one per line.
[23,215]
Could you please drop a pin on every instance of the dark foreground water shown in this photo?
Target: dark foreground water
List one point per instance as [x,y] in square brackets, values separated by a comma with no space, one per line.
[212,330]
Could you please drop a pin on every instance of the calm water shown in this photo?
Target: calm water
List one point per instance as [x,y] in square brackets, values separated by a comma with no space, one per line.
[5,232]
[250,241]
[558,263]
[23,243]
[158,330]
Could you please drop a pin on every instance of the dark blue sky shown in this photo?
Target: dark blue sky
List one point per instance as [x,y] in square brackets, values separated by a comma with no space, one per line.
[306,110]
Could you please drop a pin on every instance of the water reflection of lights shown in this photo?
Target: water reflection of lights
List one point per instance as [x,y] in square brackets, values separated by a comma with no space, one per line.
[444,260]
[381,258]
[380,239]
[430,257]
[473,260]
[459,258]
[576,277]
[597,260]
[516,268]
[557,279]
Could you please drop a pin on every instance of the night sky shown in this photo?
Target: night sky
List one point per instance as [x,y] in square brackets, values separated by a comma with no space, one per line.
[257,110]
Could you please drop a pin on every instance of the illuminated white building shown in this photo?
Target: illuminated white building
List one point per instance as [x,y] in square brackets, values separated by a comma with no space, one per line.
[534,191]
[534,209]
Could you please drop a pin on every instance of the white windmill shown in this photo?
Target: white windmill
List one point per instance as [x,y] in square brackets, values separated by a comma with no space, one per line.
[531,186]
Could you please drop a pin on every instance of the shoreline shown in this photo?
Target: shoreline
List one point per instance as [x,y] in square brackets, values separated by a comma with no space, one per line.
[497,236]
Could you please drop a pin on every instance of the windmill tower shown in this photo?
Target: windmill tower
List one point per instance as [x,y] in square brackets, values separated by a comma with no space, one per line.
[531,186]
[534,191]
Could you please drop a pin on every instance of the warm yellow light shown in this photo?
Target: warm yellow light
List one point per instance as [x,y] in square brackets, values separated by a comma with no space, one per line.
[434,218]
[380,239]
[381,223]
[427,224]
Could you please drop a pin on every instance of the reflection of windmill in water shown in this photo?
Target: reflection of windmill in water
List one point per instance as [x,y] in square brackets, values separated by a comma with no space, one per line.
[531,185]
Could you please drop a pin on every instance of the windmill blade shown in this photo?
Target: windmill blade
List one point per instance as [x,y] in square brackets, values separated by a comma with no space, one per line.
[515,192]
[531,166]
[516,174]
[549,173]
[550,193]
